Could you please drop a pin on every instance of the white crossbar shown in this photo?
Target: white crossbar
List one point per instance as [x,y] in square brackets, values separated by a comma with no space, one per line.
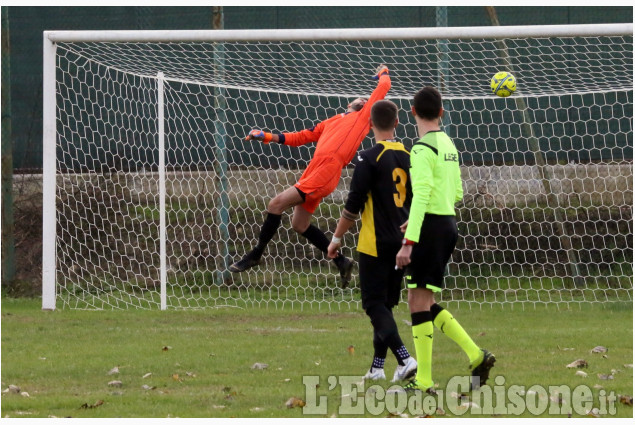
[494,32]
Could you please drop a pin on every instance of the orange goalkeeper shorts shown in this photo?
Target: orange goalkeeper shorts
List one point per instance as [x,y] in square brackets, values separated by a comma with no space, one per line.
[319,180]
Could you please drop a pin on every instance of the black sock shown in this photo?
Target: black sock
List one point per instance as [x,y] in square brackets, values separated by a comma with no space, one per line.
[317,238]
[435,309]
[381,349]
[386,329]
[321,242]
[401,354]
[420,317]
[267,231]
[378,362]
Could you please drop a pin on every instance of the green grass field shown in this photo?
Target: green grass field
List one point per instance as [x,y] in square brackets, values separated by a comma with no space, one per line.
[201,360]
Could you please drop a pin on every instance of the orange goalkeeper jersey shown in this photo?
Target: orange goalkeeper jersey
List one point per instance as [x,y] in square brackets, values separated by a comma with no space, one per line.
[340,136]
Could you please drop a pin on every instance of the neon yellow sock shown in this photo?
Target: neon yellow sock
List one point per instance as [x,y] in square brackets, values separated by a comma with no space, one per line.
[447,324]
[423,338]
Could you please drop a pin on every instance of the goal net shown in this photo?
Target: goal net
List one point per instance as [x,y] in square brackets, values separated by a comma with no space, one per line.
[151,190]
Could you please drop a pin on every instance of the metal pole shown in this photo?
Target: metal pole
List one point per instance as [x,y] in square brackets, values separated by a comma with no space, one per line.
[8,241]
[545,172]
[413,33]
[163,274]
[49,155]
[220,137]
[443,59]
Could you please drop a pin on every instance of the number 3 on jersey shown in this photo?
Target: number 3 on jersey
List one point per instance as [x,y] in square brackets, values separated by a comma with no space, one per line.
[400,177]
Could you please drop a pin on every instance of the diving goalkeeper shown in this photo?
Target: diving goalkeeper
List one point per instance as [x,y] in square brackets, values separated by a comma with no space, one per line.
[337,141]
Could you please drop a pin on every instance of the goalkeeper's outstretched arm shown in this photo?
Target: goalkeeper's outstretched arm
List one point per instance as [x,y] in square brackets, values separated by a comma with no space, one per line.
[262,136]
[298,138]
[383,85]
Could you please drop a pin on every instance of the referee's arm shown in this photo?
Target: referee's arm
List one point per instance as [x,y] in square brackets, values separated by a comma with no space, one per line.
[422,178]
[459,187]
[422,162]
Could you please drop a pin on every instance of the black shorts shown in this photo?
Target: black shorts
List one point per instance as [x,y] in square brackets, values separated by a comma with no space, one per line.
[431,254]
[379,281]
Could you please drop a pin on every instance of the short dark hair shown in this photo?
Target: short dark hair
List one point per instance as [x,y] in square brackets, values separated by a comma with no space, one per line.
[383,114]
[357,106]
[427,103]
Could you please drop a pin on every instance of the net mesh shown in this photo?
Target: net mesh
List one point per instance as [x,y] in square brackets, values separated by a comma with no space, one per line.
[547,212]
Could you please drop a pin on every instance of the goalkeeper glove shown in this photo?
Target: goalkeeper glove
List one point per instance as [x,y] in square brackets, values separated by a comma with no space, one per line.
[381,70]
[259,135]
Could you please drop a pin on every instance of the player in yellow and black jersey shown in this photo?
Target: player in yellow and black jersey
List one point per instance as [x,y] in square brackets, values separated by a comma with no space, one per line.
[380,190]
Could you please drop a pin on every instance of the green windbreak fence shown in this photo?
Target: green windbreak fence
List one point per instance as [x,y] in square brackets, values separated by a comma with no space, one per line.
[27,24]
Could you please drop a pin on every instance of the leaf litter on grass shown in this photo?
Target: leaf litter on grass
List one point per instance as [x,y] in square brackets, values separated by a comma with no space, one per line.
[229,393]
[580,363]
[565,348]
[333,360]
[605,376]
[12,389]
[295,402]
[599,349]
[92,406]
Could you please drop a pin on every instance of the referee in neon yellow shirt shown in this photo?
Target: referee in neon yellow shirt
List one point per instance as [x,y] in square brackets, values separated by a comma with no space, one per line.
[430,238]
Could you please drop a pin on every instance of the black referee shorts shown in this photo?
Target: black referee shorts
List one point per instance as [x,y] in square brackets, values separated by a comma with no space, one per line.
[431,254]
[379,281]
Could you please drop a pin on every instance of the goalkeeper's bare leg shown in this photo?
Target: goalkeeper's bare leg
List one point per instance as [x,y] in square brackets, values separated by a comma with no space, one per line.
[301,223]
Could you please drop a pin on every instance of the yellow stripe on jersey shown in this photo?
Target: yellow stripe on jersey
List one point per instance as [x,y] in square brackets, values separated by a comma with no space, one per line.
[367,240]
[395,146]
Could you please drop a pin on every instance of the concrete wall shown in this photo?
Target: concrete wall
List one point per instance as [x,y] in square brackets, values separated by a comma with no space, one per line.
[496,186]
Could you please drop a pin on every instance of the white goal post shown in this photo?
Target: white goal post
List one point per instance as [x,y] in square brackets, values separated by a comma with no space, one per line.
[150,191]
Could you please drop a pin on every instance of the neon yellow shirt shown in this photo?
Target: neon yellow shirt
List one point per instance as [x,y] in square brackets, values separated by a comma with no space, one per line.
[436,180]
